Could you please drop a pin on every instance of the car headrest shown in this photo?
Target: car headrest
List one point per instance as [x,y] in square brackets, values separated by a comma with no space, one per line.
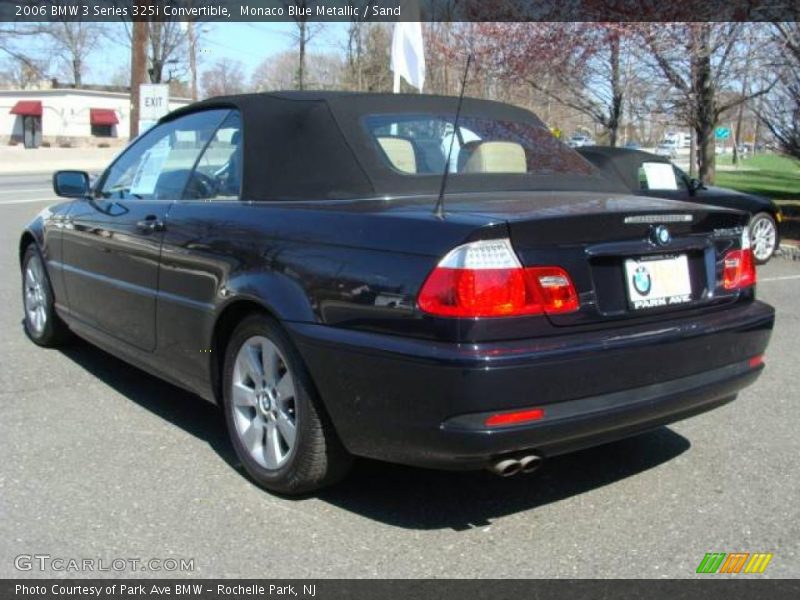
[496,157]
[236,138]
[400,152]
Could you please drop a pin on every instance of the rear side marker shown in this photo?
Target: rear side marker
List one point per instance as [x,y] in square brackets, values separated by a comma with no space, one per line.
[756,361]
[515,417]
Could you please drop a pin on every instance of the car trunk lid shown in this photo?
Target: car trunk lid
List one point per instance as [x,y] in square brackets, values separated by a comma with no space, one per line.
[610,247]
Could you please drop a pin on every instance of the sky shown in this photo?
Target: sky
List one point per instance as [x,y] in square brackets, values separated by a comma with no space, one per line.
[249,43]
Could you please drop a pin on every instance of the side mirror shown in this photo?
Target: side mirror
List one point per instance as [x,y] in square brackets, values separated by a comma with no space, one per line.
[71,184]
[696,184]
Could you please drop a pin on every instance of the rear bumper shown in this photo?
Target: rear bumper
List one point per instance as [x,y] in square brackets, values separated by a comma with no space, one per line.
[424,403]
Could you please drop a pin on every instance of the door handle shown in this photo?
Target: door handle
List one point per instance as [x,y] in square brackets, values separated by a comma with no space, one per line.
[150,224]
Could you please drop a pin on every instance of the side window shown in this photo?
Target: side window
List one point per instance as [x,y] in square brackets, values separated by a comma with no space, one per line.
[218,174]
[657,176]
[158,165]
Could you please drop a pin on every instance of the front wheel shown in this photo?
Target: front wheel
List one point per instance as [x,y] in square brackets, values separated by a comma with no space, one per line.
[42,324]
[276,422]
[763,237]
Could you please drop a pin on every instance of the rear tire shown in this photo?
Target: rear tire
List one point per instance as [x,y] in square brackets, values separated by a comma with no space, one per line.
[763,237]
[276,422]
[43,326]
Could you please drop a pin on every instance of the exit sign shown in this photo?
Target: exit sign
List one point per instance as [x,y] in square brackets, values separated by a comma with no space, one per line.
[153,101]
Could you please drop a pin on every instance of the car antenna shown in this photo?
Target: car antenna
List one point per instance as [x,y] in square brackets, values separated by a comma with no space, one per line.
[438,210]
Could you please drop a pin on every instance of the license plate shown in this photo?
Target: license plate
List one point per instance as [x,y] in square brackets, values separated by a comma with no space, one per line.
[657,282]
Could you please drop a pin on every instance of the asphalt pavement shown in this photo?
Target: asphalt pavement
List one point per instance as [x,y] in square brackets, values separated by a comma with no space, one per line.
[100,461]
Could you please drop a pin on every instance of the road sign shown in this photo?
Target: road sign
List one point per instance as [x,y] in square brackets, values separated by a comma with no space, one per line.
[153,104]
[722,133]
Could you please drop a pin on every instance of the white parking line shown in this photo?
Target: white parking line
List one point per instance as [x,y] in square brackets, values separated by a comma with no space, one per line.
[29,200]
[784,278]
[25,190]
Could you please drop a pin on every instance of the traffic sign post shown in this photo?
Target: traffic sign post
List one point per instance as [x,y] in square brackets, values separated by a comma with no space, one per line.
[723,133]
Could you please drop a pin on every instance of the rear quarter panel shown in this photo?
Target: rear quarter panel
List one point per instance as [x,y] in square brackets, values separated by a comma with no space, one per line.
[338,264]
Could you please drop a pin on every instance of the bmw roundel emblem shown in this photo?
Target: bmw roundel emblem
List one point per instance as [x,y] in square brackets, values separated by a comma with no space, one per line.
[641,280]
[661,235]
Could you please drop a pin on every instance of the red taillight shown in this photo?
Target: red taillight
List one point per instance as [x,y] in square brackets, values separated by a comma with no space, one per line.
[515,418]
[739,269]
[756,361]
[558,293]
[485,279]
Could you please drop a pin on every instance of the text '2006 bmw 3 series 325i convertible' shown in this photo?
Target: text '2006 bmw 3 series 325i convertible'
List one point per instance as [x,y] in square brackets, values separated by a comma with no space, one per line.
[290,256]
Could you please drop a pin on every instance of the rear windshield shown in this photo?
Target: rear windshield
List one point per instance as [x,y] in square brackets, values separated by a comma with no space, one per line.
[420,145]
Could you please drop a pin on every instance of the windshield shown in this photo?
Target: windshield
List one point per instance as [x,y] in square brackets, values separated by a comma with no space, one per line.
[420,145]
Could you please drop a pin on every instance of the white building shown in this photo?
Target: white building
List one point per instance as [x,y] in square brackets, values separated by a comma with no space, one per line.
[67,117]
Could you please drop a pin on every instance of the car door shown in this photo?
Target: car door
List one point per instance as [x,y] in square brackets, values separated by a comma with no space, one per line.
[112,246]
[198,251]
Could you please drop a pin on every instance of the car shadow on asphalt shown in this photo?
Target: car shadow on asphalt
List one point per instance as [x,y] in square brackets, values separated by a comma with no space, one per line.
[396,495]
[426,499]
[178,406]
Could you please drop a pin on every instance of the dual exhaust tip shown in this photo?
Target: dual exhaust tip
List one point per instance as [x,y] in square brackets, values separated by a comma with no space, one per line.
[507,466]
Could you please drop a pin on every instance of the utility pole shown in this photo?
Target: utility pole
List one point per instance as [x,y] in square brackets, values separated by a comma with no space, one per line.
[138,70]
[192,57]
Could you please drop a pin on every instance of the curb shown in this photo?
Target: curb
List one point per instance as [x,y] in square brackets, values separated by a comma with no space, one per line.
[788,252]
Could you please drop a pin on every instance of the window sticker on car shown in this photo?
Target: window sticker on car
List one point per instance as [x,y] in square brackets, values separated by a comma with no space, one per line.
[660,176]
[150,168]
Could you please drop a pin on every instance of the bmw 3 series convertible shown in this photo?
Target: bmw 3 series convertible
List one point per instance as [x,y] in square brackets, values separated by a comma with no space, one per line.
[395,277]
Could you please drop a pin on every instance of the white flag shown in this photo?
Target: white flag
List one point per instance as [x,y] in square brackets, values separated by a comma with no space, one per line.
[408,55]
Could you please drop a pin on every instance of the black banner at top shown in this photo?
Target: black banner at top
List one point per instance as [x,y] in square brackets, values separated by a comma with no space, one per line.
[399,10]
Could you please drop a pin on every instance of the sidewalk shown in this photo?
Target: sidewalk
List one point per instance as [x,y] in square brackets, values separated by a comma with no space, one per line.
[18,159]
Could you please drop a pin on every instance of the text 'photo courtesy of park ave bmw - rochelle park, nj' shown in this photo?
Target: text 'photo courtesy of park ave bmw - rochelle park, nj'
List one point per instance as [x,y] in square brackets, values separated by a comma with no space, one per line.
[391,298]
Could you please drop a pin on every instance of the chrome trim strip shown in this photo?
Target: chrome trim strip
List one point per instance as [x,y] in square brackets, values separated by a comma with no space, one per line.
[649,219]
[137,289]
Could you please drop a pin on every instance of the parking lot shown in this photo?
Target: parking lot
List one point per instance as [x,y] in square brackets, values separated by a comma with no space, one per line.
[99,460]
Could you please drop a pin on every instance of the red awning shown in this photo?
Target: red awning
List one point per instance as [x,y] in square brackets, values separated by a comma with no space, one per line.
[102,116]
[27,108]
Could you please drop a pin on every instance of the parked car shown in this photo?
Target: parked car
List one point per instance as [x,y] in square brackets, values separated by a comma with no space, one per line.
[289,256]
[579,140]
[668,148]
[630,168]
[633,145]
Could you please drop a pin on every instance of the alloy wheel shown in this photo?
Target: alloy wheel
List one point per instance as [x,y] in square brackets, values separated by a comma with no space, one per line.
[263,402]
[763,236]
[35,295]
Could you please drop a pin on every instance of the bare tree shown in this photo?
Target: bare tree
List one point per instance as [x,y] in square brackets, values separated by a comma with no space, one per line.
[325,71]
[583,66]
[25,68]
[699,61]
[779,111]
[73,41]
[306,30]
[355,45]
[225,77]
[167,49]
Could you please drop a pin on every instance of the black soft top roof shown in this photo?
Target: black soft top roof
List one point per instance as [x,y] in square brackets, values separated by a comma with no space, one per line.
[313,145]
[621,163]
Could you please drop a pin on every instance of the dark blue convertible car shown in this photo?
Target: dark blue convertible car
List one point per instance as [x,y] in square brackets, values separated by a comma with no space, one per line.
[297,259]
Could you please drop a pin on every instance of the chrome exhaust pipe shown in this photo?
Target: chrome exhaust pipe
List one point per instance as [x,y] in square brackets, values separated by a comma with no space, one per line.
[512,465]
[530,463]
[505,467]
